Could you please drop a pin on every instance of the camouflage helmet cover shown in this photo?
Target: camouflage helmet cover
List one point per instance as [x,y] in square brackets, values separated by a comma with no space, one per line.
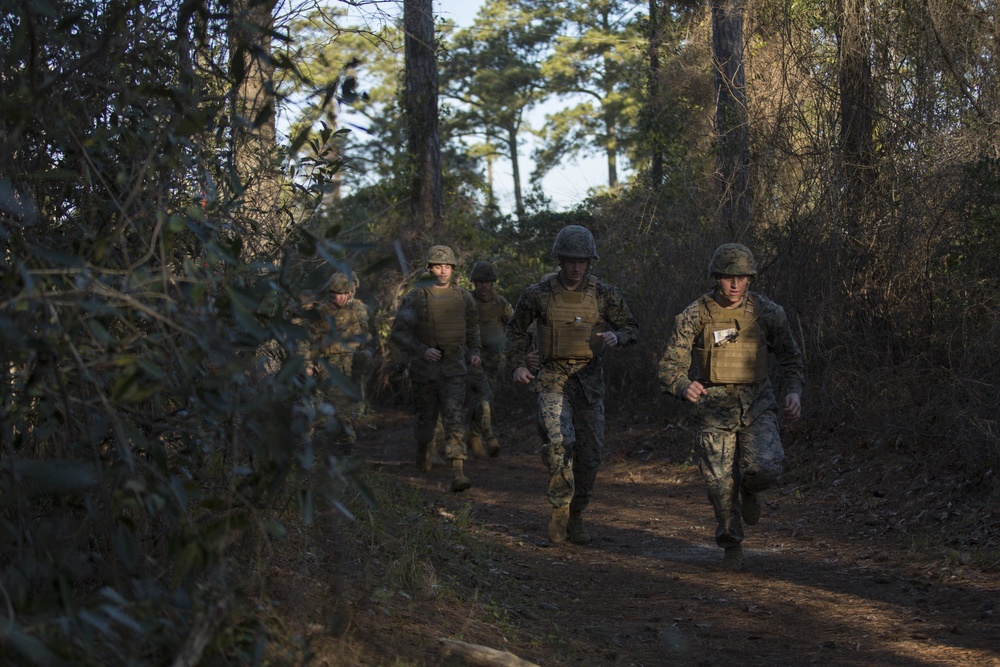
[483,272]
[441,254]
[574,241]
[732,259]
[340,283]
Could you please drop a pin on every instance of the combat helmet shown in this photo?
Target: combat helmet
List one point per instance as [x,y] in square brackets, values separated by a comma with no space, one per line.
[574,241]
[441,254]
[732,259]
[484,272]
[340,283]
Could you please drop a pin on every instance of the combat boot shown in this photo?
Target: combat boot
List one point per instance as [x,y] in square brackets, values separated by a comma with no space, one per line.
[733,560]
[459,482]
[557,526]
[493,447]
[749,508]
[424,456]
[476,446]
[576,530]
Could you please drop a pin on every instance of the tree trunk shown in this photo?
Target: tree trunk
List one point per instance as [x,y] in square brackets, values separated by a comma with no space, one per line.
[656,159]
[254,135]
[609,122]
[857,176]
[516,173]
[734,212]
[421,102]
[609,127]
[857,114]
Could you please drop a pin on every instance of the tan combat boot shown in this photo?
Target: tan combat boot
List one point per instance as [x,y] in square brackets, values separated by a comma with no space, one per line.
[733,560]
[576,530]
[460,482]
[749,508]
[557,526]
[476,446]
[493,447]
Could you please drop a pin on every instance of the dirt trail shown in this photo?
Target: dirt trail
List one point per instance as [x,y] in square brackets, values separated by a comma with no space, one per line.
[820,587]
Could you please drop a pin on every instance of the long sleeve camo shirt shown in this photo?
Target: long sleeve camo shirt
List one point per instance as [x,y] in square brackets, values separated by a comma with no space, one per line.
[740,405]
[533,305]
[347,330]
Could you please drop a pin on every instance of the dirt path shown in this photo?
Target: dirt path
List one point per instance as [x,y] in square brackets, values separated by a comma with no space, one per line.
[822,586]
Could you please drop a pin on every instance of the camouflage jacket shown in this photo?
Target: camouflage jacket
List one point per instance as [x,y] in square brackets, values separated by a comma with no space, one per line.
[738,405]
[413,310]
[346,332]
[533,305]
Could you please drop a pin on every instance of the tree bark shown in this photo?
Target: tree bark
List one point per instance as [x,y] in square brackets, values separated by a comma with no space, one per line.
[857,117]
[656,159]
[733,140]
[515,167]
[254,135]
[421,101]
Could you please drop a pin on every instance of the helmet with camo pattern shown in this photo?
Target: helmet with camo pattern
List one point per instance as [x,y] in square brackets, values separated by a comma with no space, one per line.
[574,241]
[340,283]
[441,254]
[732,259]
[483,272]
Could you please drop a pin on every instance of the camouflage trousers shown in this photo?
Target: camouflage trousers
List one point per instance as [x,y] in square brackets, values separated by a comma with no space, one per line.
[334,431]
[482,384]
[572,444]
[747,458]
[445,398]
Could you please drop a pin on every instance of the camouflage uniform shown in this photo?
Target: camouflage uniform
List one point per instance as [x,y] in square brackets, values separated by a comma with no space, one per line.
[494,314]
[438,387]
[738,444]
[342,344]
[348,344]
[570,391]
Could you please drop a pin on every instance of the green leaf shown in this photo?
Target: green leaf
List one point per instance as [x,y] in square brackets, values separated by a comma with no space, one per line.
[33,650]
[57,477]
[189,560]
[306,506]
[125,547]
[120,617]
[100,333]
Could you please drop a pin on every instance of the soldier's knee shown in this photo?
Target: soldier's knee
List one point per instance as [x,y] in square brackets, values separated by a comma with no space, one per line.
[760,478]
[553,455]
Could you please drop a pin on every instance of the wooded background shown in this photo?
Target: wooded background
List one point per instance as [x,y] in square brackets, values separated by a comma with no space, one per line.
[159,226]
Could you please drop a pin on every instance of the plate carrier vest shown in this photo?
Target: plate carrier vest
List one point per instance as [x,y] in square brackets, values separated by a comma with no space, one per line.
[740,357]
[491,329]
[443,325]
[571,322]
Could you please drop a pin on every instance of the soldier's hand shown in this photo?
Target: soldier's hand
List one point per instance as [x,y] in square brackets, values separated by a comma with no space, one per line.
[694,391]
[533,360]
[432,354]
[475,360]
[609,337]
[522,375]
[793,406]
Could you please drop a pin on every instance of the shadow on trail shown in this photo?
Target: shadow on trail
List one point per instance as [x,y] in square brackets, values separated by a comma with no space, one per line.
[645,591]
